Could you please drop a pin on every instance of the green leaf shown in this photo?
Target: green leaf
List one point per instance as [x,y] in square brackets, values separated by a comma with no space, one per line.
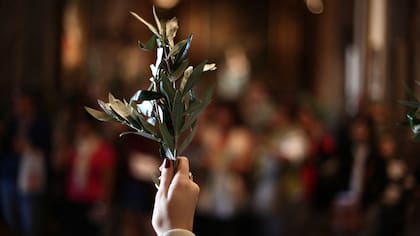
[171,30]
[179,71]
[120,109]
[159,26]
[141,133]
[145,95]
[167,90]
[188,140]
[196,107]
[150,26]
[191,118]
[168,152]
[134,123]
[195,75]
[147,126]
[149,45]
[177,112]
[187,74]
[177,48]
[99,115]
[183,52]
[412,104]
[127,132]
[166,136]
[108,110]
[208,94]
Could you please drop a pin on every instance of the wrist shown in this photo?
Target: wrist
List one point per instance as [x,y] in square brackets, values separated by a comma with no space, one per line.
[178,232]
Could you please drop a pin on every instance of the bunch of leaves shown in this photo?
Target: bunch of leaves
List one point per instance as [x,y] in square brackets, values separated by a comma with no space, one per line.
[167,111]
[413,112]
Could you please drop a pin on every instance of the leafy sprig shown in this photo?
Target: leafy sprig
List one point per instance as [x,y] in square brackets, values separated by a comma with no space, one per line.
[412,119]
[167,111]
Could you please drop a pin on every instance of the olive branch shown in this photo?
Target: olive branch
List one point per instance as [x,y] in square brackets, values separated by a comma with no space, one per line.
[167,111]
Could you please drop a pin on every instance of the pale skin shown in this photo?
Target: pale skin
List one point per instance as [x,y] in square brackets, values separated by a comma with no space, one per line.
[176,198]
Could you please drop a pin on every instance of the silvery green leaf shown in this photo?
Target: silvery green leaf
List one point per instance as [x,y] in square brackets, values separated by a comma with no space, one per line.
[416,128]
[127,132]
[120,108]
[107,109]
[208,94]
[167,152]
[195,75]
[412,104]
[134,122]
[168,139]
[209,67]
[167,89]
[155,68]
[149,45]
[150,26]
[183,52]
[176,48]
[188,140]
[111,98]
[178,111]
[99,115]
[187,74]
[143,134]
[145,108]
[148,127]
[159,26]
[179,71]
[192,117]
[194,106]
[142,95]
[171,30]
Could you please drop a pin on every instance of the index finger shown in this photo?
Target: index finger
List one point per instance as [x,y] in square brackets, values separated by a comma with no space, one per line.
[183,166]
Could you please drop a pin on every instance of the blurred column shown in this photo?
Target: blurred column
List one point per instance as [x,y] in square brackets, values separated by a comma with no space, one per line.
[286,40]
[329,58]
[376,50]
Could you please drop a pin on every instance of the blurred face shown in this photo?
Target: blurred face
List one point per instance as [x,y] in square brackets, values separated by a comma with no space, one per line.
[387,146]
[360,132]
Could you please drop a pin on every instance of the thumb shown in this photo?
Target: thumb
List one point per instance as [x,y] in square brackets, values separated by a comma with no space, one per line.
[167,173]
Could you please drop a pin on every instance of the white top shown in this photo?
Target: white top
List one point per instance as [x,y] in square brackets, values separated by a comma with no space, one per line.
[178,232]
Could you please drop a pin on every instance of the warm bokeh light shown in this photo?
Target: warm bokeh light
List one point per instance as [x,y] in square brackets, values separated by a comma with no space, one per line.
[315,6]
[167,4]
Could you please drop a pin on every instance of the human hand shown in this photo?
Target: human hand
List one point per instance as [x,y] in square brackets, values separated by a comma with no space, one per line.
[176,198]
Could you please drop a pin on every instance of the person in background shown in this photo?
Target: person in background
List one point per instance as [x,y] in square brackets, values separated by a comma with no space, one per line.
[90,179]
[141,159]
[360,178]
[399,183]
[24,165]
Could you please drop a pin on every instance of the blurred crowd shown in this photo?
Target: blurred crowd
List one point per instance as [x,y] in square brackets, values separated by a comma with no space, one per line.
[265,167]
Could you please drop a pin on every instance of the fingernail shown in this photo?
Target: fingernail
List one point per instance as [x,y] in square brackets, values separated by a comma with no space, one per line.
[167,163]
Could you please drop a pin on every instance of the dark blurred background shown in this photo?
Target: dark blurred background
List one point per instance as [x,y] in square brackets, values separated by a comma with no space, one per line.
[302,136]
